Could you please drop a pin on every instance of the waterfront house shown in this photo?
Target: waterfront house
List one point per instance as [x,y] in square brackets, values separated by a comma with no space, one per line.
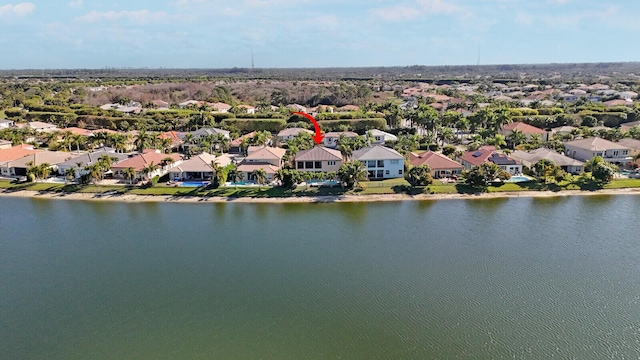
[440,165]
[12,154]
[379,137]
[246,170]
[529,158]
[267,154]
[586,149]
[330,139]
[488,154]
[381,162]
[80,162]
[318,159]
[20,166]
[290,133]
[266,158]
[141,161]
[198,167]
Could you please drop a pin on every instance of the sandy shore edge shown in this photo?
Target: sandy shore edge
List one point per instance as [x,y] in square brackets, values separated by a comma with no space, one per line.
[312,199]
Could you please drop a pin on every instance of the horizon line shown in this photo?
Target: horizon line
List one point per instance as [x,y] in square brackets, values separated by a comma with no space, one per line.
[326,67]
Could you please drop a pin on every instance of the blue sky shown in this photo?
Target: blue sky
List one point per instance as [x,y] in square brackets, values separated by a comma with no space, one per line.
[313,33]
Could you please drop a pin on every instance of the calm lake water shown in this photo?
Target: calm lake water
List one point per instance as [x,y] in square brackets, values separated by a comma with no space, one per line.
[476,279]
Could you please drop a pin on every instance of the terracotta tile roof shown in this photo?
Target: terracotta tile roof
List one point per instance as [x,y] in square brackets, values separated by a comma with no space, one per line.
[140,161]
[525,128]
[435,161]
[268,168]
[267,153]
[78,131]
[238,141]
[16,152]
[477,157]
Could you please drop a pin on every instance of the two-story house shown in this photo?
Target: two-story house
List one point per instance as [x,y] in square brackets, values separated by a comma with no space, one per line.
[381,162]
[318,159]
[586,149]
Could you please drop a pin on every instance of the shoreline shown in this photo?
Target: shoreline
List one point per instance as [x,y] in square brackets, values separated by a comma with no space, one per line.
[313,199]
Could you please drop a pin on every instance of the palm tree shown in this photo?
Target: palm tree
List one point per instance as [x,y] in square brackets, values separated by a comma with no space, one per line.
[70,173]
[516,138]
[105,162]
[94,171]
[67,138]
[234,175]
[345,146]
[149,169]
[143,140]
[130,173]
[77,140]
[260,176]
[351,173]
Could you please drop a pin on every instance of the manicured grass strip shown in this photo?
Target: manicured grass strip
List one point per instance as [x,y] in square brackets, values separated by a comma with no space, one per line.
[392,186]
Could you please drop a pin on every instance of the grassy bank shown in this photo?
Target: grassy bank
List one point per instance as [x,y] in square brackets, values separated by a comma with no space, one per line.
[370,188]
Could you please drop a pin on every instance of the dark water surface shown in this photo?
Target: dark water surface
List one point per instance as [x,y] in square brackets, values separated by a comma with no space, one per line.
[482,279]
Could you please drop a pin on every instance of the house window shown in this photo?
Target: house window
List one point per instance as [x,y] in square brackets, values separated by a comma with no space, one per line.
[380,173]
[380,163]
[625,152]
[378,138]
[318,165]
[331,162]
[395,162]
[400,172]
[308,164]
[300,165]
[386,172]
[371,163]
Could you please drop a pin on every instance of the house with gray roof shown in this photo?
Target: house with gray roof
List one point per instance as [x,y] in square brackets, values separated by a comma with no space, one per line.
[80,162]
[318,159]
[586,149]
[381,162]
[529,158]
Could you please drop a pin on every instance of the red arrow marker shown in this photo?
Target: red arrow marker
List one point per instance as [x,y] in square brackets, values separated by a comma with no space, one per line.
[318,136]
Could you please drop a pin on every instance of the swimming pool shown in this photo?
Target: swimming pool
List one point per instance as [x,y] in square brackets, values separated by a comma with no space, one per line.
[194,183]
[518,178]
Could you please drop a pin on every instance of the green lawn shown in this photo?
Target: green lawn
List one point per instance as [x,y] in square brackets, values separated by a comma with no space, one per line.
[393,186]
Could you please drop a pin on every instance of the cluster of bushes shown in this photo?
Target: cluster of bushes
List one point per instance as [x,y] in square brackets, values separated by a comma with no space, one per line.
[249,125]
[355,124]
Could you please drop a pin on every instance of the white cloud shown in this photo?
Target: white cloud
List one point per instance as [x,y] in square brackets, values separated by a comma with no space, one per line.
[76,3]
[415,9]
[138,16]
[20,9]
